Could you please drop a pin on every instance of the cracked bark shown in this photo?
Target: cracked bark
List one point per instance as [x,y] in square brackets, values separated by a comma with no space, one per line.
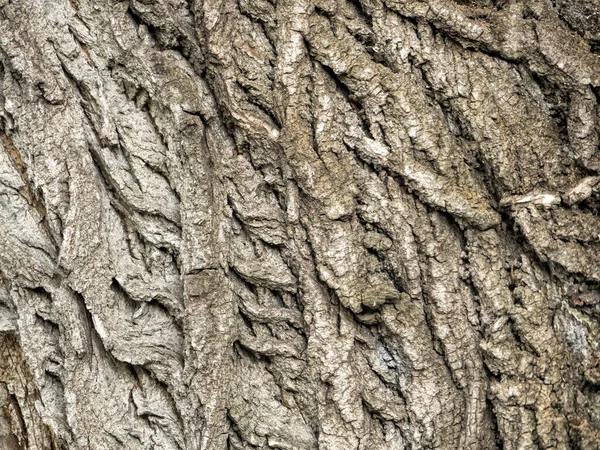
[313,224]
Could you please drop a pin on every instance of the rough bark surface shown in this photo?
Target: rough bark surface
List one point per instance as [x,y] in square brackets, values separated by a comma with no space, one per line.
[299,224]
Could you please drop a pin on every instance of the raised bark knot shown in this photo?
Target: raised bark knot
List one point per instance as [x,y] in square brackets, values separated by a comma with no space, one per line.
[584,190]
[544,200]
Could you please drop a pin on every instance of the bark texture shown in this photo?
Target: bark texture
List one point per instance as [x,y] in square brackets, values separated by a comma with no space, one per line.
[299,224]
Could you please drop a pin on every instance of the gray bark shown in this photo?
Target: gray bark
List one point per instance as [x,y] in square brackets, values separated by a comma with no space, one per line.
[299,224]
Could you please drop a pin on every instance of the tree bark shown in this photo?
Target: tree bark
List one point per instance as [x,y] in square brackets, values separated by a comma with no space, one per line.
[299,224]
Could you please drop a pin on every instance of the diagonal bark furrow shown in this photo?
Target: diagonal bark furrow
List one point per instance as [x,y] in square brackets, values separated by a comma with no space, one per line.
[22,427]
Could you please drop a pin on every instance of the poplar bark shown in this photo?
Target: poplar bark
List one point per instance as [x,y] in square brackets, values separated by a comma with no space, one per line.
[299,224]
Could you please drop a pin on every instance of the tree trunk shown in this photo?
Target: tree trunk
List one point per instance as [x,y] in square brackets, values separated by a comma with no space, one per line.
[299,224]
